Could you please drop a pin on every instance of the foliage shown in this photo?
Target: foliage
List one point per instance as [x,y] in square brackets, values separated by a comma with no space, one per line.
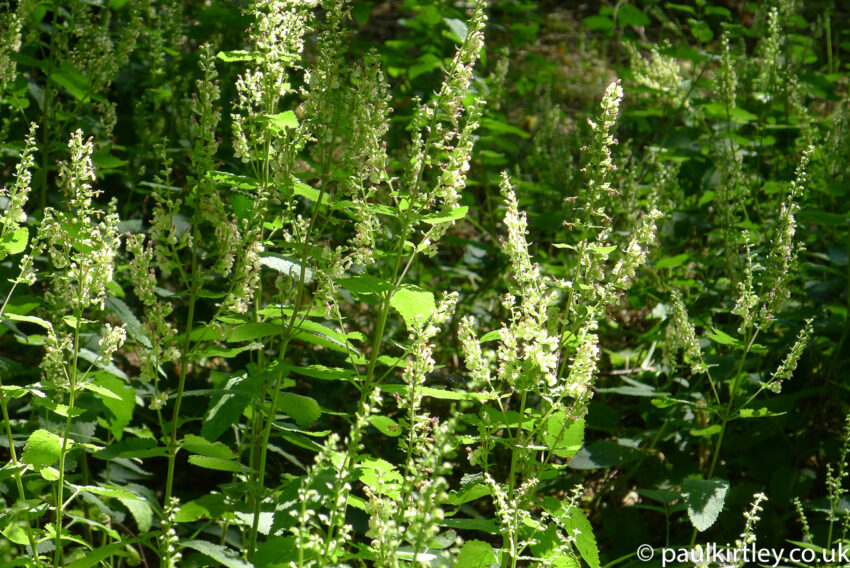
[421,283]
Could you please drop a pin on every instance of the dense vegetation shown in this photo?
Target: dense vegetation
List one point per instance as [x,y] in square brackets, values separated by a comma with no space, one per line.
[291,283]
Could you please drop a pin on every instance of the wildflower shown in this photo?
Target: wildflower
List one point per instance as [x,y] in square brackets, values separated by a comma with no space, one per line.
[789,363]
[683,334]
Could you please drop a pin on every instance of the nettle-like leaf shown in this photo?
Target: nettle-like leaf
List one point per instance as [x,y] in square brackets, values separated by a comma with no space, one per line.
[704,499]
[414,304]
[42,449]
[224,556]
[476,554]
[564,436]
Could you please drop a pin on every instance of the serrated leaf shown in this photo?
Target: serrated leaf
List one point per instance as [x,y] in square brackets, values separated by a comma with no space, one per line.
[236,55]
[225,408]
[386,425]
[286,266]
[723,338]
[303,409]
[134,327]
[120,404]
[630,15]
[447,216]
[564,436]
[758,413]
[42,449]
[704,499]
[29,319]
[204,447]
[92,557]
[104,160]
[72,80]
[577,523]
[111,492]
[281,121]
[14,242]
[707,431]
[132,448]
[414,304]
[253,330]
[476,554]
[441,394]
[218,464]
[220,554]
[605,453]
[458,29]
[141,510]
[365,284]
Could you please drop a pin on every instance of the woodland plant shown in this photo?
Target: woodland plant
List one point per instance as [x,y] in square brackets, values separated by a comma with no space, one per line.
[369,302]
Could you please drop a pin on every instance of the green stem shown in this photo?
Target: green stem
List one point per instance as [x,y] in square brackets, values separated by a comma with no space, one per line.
[184,365]
[18,475]
[57,556]
[511,560]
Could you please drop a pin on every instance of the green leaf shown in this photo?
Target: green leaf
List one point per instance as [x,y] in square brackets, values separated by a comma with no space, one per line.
[322,372]
[220,554]
[631,15]
[661,495]
[413,303]
[209,506]
[276,552]
[376,473]
[282,121]
[603,251]
[120,405]
[365,284]
[700,30]
[42,449]
[585,539]
[386,425]
[577,523]
[758,413]
[672,261]
[723,338]
[704,499]
[476,554]
[104,160]
[225,408]
[446,217]
[500,127]
[564,435]
[202,446]
[303,409]
[599,23]
[605,453]
[141,510]
[253,330]
[134,327]
[132,448]
[29,319]
[92,557]
[14,242]
[286,266]
[707,431]
[441,394]
[218,464]
[458,29]
[73,81]
[236,55]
